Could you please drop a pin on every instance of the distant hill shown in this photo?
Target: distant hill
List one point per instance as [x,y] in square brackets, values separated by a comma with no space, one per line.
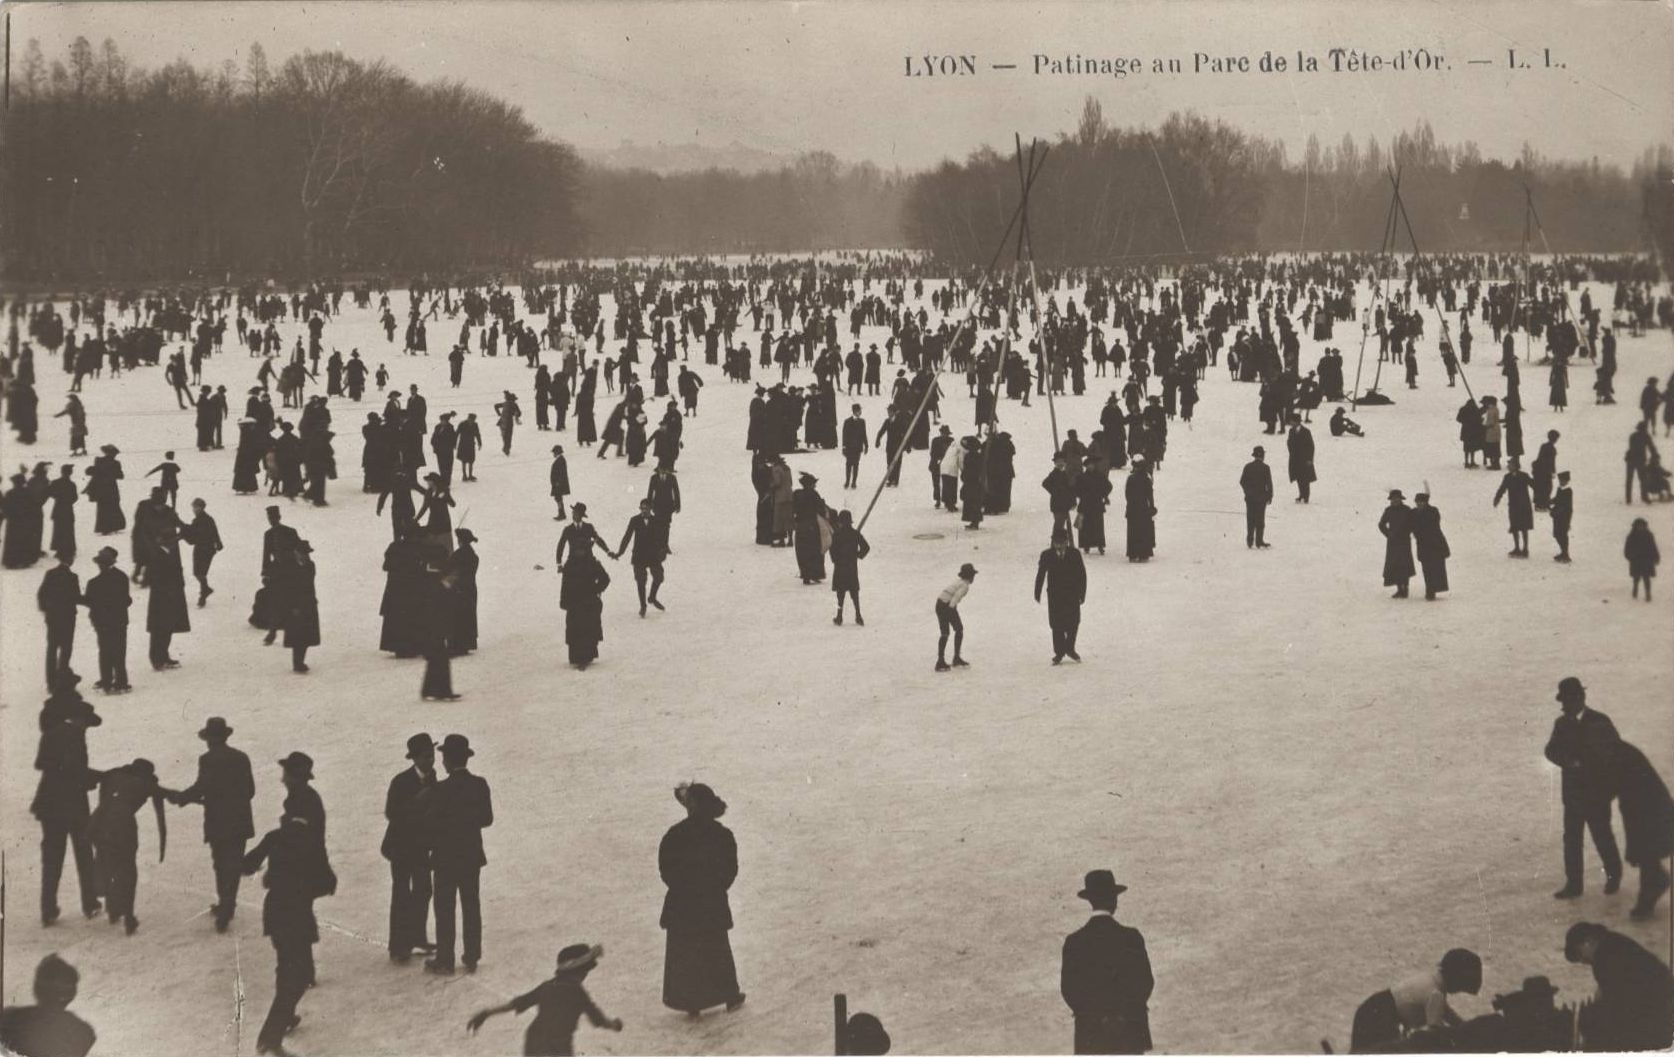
[685,157]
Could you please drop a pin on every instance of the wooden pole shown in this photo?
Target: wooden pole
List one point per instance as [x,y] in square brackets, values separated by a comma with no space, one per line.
[840,1018]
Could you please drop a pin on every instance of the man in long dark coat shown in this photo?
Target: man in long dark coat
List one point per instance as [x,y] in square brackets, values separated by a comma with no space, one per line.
[1647,824]
[1106,979]
[1300,445]
[1064,576]
[60,802]
[225,787]
[456,811]
[297,874]
[1634,1007]
[1257,484]
[407,847]
[1140,511]
[166,613]
[1583,744]
[856,442]
[64,496]
[107,599]
[1396,526]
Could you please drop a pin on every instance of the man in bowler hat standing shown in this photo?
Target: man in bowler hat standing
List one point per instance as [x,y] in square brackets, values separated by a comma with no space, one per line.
[61,798]
[108,598]
[225,787]
[457,810]
[1106,978]
[1583,744]
[407,847]
[1064,575]
[1257,483]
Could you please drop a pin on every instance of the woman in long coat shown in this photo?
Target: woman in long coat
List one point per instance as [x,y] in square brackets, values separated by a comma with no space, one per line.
[1396,526]
[1141,512]
[559,478]
[400,608]
[1092,496]
[586,431]
[302,621]
[166,614]
[105,492]
[974,483]
[580,596]
[810,547]
[782,505]
[1470,430]
[761,477]
[1647,824]
[1002,468]
[25,524]
[1431,545]
[698,860]
[1519,506]
[247,457]
[462,570]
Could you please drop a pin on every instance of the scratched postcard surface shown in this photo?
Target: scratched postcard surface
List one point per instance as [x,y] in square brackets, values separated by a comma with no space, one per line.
[1123,600]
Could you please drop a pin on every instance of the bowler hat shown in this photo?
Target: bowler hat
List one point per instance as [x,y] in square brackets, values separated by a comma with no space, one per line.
[419,743]
[1396,493]
[106,556]
[300,762]
[967,569]
[1100,884]
[1258,450]
[1569,685]
[215,727]
[579,956]
[1538,987]
[457,745]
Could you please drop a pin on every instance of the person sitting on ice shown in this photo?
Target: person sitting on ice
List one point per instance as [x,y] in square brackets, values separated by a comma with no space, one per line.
[1342,425]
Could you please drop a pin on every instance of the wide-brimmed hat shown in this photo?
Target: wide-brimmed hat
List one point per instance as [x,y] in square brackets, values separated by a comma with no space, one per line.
[1100,884]
[110,449]
[1538,987]
[300,762]
[700,797]
[1396,493]
[579,956]
[457,745]
[215,727]
[419,743]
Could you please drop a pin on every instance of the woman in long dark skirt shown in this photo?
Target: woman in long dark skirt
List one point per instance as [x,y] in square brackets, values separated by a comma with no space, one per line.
[431,625]
[1092,495]
[462,570]
[105,492]
[401,609]
[1430,544]
[1141,511]
[1002,467]
[698,860]
[586,429]
[166,613]
[761,476]
[247,458]
[302,623]
[973,490]
[806,509]
[581,598]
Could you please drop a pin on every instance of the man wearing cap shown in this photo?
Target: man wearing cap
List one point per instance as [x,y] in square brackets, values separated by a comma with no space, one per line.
[947,617]
[558,1003]
[1257,483]
[406,846]
[48,1028]
[1563,514]
[60,802]
[107,599]
[1583,744]
[225,787]
[1634,1006]
[456,811]
[1064,575]
[1106,979]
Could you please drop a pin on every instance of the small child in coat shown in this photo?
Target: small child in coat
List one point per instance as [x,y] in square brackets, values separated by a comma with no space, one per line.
[1642,556]
[559,1004]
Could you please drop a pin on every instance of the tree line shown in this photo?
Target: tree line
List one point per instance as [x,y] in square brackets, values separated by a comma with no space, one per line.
[1197,186]
[323,165]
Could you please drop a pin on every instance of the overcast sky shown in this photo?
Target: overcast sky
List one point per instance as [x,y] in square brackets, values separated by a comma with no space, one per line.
[829,74]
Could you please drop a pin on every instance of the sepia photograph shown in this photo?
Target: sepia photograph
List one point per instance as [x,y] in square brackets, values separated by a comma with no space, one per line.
[361,356]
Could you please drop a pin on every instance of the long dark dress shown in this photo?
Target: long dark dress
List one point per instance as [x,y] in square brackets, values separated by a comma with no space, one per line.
[973,487]
[462,635]
[1141,514]
[106,495]
[247,459]
[166,609]
[806,508]
[401,610]
[1002,455]
[302,622]
[698,860]
[581,598]
[1396,526]
[24,528]
[1094,491]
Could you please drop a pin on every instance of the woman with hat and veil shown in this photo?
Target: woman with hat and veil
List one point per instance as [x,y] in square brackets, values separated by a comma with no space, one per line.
[581,597]
[105,493]
[558,1003]
[812,530]
[302,621]
[698,860]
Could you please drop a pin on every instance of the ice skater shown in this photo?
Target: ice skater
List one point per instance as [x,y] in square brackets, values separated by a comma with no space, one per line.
[648,534]
[1063,574]
[225,787]
[947,618]
[698,861]
[559,1005]
[1583,745]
